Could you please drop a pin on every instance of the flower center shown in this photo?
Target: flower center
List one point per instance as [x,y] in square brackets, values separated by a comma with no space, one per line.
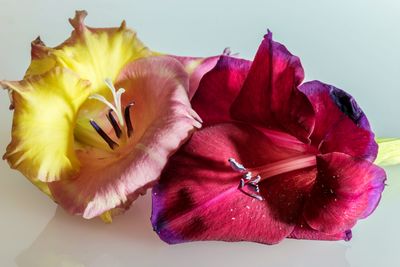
[252,176]
[123,121]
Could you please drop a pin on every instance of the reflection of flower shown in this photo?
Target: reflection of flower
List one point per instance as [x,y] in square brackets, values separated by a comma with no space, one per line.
[89,146]
[300,158]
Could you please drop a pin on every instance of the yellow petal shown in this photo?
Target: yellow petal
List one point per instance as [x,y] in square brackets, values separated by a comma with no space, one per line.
[42,60]
[46,106]
[389,151]
[93,53]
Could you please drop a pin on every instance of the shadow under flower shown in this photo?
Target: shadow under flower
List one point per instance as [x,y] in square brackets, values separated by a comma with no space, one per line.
[129,241]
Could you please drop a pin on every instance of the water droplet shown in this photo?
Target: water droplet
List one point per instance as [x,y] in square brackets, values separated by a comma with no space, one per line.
[231,210]
[247,207]
[233,218]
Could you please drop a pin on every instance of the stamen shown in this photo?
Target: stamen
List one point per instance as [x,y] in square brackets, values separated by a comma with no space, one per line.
[247,175]
[241,183]
[250,188]
[128,119]
[236,166]
[114,123]
[105,137]
[248,184]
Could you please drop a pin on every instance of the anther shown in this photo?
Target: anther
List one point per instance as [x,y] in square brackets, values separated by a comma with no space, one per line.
[128,121]
[256,196]
[241,183]
[114,123]
[247,175]
[236,166]
[103,135]
[256,180]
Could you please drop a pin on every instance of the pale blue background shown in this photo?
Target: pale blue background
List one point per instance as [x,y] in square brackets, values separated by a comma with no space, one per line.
[352,44]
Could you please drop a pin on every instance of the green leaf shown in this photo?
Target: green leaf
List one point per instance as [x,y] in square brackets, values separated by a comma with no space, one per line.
[389,151]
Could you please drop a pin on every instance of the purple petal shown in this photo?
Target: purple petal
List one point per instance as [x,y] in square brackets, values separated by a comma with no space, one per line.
[340,124]
[270,97]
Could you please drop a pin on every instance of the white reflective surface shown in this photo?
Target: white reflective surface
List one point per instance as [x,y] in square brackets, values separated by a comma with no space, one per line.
[352,44]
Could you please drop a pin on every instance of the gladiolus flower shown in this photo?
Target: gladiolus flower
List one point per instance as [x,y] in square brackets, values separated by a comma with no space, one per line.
[96,118]
[275,158]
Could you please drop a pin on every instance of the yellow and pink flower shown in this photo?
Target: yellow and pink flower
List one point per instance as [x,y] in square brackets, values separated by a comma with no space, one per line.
[90,147]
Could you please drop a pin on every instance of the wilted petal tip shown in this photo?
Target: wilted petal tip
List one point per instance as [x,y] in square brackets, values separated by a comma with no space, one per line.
[268,35]
[37,42]
[122,26]
[348,235]
[78,21]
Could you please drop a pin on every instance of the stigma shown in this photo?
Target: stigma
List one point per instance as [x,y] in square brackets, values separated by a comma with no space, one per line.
[122,124]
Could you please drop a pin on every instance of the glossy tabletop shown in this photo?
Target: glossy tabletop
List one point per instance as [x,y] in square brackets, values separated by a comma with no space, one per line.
[352,44]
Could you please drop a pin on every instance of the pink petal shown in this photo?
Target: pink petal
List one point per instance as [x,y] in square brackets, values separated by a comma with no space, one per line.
[219,88]
[197,197]
[270,96]
[340,124]
[346,190]
[162,121]
[196,67]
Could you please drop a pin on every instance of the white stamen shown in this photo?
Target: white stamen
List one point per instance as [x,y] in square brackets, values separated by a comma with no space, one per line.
[236,166]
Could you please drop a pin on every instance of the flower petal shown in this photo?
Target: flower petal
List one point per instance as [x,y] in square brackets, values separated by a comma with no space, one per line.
[197,197]
[219,88]
[303,231]
[93,53]
[346,190]
[270,97]
[42,145]
[162,120]
[340,124]
[196,67]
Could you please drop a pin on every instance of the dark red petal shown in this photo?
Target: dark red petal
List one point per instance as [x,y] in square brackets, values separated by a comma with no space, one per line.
[346,189]
[219,88]
[340,124]
[303,231]
[197,196]
[270,97]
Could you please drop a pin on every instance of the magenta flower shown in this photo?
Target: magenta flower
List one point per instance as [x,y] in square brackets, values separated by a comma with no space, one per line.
[274,159]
